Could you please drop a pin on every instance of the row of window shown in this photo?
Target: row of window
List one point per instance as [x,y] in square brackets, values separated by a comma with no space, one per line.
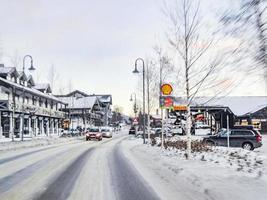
[37,102]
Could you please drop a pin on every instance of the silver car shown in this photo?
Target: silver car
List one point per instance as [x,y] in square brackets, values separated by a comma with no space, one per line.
[106,132]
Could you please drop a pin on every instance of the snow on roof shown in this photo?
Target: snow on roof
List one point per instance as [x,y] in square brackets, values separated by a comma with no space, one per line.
[78,103]
[6,70]
[41,86]
[106,98]
[30,79]
[32,90]
[240,105]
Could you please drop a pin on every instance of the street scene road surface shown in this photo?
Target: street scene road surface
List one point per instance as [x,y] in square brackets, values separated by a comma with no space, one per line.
[133,100]
[118,168]
[82,170]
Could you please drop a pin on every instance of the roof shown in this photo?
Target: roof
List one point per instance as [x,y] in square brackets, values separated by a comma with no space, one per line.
[30,79]
[105,98]
[239,105]
[79,103]
[83,94]
[43,86]
[7,70]
[31,90]
[22,75]
[86,102]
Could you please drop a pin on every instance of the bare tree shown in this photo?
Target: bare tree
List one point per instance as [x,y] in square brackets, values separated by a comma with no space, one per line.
[15,60]
[248,23]
[52,76]
[70,86]
[153,64]
[198,61]
[1,50]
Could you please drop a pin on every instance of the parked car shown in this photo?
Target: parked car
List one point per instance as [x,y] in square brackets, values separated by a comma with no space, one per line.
[132,130]
[245,138]
[94,133]
[106,132]
[74,132]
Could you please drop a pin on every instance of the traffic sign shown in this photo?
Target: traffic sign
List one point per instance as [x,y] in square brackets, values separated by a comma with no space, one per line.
[166,89]
[180,108]
[135,121]
[166,101]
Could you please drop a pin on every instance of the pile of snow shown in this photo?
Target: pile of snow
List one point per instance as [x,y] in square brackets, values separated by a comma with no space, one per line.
[4,146]
[238,159]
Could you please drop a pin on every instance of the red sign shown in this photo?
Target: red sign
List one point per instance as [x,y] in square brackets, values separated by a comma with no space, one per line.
[168,102]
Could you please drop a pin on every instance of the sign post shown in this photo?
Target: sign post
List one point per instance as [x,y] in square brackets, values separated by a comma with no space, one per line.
[166,102]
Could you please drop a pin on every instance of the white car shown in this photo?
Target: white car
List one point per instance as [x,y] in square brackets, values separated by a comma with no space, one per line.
[106,132]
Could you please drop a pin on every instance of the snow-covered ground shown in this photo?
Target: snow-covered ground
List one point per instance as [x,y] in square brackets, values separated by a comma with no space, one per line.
[221,174]
[42,141]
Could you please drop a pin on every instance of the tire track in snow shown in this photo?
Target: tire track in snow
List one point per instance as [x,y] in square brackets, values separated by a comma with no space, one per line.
[126,181]
[62,186]
[5,160]
[10,181]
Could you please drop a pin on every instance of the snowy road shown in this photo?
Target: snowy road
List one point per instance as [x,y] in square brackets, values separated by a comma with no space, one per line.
[82,170]
[119,168]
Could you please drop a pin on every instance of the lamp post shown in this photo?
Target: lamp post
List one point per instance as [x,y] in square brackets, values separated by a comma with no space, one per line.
[136,71]
[23,91]
[131,99]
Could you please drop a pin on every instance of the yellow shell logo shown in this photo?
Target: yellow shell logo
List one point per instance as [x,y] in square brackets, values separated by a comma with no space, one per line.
[166,89]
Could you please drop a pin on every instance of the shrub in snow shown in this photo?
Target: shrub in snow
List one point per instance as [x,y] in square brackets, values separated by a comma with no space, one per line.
[196,145]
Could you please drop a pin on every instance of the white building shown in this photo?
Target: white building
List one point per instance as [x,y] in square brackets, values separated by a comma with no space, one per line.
[23,100]
[86,110]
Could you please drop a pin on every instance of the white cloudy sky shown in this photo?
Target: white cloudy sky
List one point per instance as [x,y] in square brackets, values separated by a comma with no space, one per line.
[92,42]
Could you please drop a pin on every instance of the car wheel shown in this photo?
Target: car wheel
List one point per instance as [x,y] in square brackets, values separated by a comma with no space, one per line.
[87,139]
[247,146]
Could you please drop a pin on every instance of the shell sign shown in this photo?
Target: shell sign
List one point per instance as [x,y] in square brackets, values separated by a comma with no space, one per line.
[166,89]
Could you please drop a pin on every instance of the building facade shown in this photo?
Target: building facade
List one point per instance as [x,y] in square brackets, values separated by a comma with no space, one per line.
[87,110]
[27,109]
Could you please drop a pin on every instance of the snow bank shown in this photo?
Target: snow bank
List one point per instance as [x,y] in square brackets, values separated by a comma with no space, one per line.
[4,146]
[210,177]
[241,160]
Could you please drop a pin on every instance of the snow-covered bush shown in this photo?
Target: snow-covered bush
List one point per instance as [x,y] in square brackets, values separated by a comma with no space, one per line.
[196,145]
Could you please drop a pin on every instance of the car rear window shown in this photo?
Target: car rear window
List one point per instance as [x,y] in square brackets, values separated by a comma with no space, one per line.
[94,130]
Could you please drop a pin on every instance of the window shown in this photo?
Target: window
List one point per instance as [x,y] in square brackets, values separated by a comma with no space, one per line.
[242,133]
[52,104]
[40,103]
[33,101]
[27,100]
[17,98]
[46,103]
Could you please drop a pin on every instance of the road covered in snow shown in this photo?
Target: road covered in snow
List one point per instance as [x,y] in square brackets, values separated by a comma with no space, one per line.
[123,168]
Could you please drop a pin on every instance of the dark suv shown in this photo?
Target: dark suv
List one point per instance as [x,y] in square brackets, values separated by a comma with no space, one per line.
[248,138]
[132,130]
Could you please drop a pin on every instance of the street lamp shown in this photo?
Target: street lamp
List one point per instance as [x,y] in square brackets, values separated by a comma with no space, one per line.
[131,99]
[135,72]
[23,91]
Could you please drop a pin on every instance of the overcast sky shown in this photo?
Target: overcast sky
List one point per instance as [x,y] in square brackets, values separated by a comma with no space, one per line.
[92,42]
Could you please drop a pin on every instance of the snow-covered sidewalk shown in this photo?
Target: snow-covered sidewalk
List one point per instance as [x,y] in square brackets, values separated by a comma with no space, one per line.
[40,141]
[228,174]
